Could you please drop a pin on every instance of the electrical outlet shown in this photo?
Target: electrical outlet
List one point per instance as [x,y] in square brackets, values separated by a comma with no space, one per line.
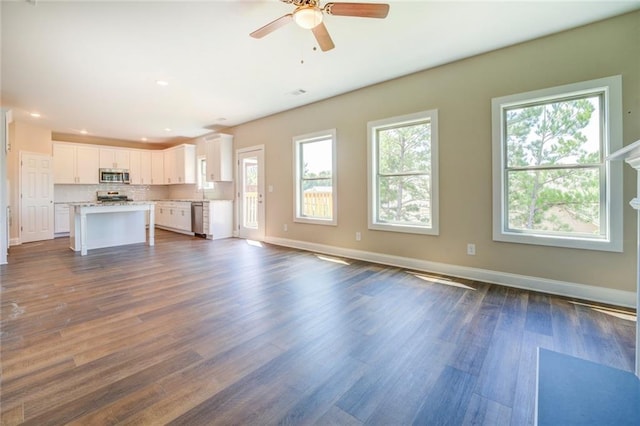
[285,227]
[358,236]
[471,249]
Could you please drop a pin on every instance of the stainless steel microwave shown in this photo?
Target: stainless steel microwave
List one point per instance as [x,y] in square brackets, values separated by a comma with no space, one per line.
[114,176]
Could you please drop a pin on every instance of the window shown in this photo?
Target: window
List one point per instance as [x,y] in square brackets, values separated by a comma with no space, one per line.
[315,177]
[403,173]
[202,174]
[552,185]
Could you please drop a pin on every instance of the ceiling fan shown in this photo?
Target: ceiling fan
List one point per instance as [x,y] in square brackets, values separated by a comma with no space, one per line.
[308,14]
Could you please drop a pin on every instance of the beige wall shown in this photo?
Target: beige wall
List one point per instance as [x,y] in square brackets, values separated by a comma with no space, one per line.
[28,138]
[462,93]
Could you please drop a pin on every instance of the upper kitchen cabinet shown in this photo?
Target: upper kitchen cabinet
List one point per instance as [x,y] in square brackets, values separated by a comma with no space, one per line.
[157,168]
[180,164]
[75,163]
[219,155]
[140,167]
[114,158]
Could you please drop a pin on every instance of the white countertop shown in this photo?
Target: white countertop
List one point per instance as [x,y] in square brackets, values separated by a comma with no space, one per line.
[111,203]
[193,200]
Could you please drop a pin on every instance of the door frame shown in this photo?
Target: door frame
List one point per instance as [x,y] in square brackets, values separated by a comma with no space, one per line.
[20,191]
[261,189]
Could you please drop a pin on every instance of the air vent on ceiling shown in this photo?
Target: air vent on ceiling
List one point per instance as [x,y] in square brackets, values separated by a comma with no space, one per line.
[298,92]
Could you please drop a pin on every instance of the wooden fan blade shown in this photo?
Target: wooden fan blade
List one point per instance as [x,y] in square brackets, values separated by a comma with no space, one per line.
[322,36]
[364,10]
[272,26]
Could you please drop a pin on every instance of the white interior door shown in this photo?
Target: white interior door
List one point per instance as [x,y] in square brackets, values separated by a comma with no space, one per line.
[251,193]
[36,203]
[5,119]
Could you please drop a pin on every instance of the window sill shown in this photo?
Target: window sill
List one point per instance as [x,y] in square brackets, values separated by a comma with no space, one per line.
[407,229]
[560,242]
[310,221]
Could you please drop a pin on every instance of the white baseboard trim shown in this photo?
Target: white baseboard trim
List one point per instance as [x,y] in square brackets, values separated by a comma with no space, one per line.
[14,242]
[544,285]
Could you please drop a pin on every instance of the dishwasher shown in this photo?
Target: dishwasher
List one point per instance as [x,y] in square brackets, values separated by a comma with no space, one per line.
[197,225]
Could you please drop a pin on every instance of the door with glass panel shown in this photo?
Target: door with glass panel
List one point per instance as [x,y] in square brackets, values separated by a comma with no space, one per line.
[251,193]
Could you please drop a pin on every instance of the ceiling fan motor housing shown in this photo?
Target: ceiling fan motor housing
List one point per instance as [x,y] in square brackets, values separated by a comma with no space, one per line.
[308,15]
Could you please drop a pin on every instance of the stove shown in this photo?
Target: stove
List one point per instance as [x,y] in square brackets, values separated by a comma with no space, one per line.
[111,197]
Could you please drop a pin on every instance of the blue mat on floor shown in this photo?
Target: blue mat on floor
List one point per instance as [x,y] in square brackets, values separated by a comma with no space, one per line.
[573,391]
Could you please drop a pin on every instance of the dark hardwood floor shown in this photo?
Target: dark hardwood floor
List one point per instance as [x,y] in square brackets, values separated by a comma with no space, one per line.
[195,332]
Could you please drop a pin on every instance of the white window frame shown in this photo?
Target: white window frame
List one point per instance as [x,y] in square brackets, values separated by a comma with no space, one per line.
[372,187]
[298,142]
[611,90]
[203,185]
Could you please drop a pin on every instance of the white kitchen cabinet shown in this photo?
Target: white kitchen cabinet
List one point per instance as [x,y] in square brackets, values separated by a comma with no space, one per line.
[74,163]
[61,219]
[135,174]
[181,217]
[161,214]
[114,158]
[174,216]
[180,164]
[140,167]
[219,155]
[169,166]
[217,218]
[157,168]
[64,163]
[87,165]
[145,167]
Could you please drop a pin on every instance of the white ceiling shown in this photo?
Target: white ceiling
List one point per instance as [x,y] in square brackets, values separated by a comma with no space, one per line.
[94,64]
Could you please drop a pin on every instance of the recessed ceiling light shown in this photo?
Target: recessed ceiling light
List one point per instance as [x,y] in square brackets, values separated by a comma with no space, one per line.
[162,82]
[167,129]
[143,139]
[35,114]
[84,132]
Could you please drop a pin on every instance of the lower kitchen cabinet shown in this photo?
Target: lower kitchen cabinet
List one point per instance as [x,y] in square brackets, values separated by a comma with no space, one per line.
[174,216]
[217,218]
[61,219]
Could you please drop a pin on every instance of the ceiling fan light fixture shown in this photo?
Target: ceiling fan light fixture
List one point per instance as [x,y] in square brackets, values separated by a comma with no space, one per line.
[307,17]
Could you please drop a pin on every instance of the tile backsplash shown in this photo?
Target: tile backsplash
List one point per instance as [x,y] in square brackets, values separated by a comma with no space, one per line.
[79,193]
[220,191]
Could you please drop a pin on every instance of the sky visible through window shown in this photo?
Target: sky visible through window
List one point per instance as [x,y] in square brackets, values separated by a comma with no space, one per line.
[317,156]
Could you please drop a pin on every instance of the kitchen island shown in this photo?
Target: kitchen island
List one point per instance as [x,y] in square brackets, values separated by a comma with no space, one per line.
[99,225]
